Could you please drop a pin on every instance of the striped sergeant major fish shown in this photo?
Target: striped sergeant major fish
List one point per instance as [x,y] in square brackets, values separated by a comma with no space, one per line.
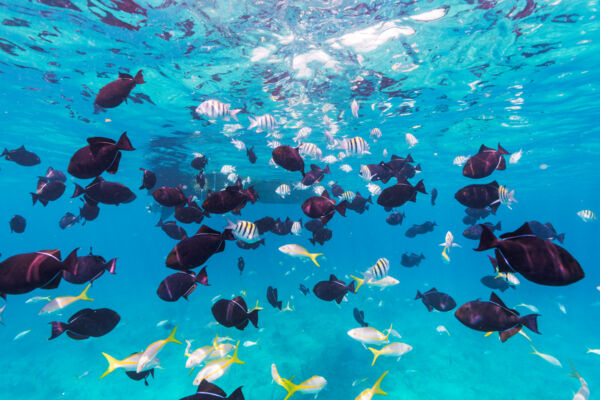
[586,215]
[506,196]
[244,230]
[310,149]
[355,145]
[262,122]
[379,270]
[216,109]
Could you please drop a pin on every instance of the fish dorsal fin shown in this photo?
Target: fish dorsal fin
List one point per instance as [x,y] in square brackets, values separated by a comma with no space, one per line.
[21,148]
[232,188]
[332,278]
[494,184]
[96,181]
[123,75]
[434,290]
[314,167]
[522,231]
[495,299]
[395,157]
[205,229]
[241,302]
[325,194]
[549,225]
[485,148]
[100,140]
[79,314]
[207,387]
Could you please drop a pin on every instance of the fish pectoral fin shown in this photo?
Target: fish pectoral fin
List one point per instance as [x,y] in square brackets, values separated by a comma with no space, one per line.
[488,334]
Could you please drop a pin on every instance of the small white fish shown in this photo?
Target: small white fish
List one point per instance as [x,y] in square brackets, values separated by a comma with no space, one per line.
[302,133]
[515,157]
[62,302]
[587,215]
[562,308]
[263,122]
[318,190]
[21,334]
[442,329]
[312,385]
[593,351]
[250,343]
[506,196]
[300,186]
[37,299]
[365,173]
[273,144]
[215,109]
[533,309]
[244,230]
[238,144]
[330,159]
[227,169]
[552,360]
[161,323]
[375,134]
[390,350]
[411,140]
[345,168]
[297,228]
[232,177]
[310,149]
[448,244]
[295,250]
[460,160]
[283,190]
[354,107]
[374,189]
[384,152]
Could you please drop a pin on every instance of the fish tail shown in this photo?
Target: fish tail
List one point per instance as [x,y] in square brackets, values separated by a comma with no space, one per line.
[487,240]
[111,266]
[420,187]
[376,389]
[139,78]
[78,191]
[534,350]
[202,277]
[253,123]
[359,282]
[419,295]
[171,337]
[234,358]
[83,295]
[233,113]
[502,151]
[388,333]
[561,238]
[376,354]
[124,143]
[5,152]
[236,394]
[341,208]
[57,329]
[313,257]
[530,321]
[575,374]
[34,198]
[113,364]
[253,316]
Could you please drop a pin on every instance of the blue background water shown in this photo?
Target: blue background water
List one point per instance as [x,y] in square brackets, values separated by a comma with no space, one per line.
[475,65]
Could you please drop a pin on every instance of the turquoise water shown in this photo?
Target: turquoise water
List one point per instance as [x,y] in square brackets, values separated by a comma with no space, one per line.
[521,73]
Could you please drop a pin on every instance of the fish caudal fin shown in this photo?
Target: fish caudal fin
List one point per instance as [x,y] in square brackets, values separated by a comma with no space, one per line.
[124,143]
[376,389]
[113,364]
[341,208]
[253,123]
[420,187]
[561,238]
[285,383]
[487,240]
[313,257]
[388,333]
[235,359]
[530,321]
[253,316]
[237,393]
[419,295]
[111,266]
[83,295]
[575,374]
[359,282]
[57,329]
[78,191]
[139,78]
[171,337]
[376,354]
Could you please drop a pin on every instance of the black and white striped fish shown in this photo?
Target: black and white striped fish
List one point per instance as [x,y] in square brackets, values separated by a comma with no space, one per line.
[355,145]
[263,122]
[245,231]
[216,109]
[379,270]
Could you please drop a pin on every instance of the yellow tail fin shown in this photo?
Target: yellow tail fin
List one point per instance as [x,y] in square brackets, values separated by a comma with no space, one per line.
[313,257]
[171,337]
[376,389]
[376,353]
[113,364]
[359,282]
[83,295]
[534,350]
[234,358]
[389,331]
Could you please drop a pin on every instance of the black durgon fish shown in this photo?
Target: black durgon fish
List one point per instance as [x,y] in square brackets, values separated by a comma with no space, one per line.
[411,260]
[68,220]
[288,158]
[114,93]
[87,323]
[546,231]
[496,282]
[142,375]
[48,191]
[395,218]
[323,207]
[305,291]
[231,199]
[264,224]
[172,230]
[169,196]
[436,300]
[480,196]
[17,224]
[538,260]
[474,232]
[181,284]
[434,194]
[210,391]
[333,289]
[315,175]
[272,297]
[89,268]
[105,192]
[21,156]
[148,179]
[201,179]
[234,312]
[90,210]
[199,162]
[193,251]
[336,190]
[313,225]
[359,316]
[485,162]
[400,193]
[359,203]
[101,154]
[241,264]
[249,246]
[190,214]
[53,175]
[321,236]
[478,213]
[469,220]
[420,229]
[495,316]
[251,155]
[282,228]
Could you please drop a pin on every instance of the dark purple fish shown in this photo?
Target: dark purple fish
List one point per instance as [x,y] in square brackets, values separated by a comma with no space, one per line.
[288,158]
[201,179]
[210,391]
[68,220]
[323,207]
[170,196]
[480,196]
[496,282]
[305,291]
[101,154]
[231,199]
[105,192]
[321,236]
[272,297]
[114,93]
[474,232]
[478,213]
[333,289]
[142,375]
[538,260]
[359,316]
[379,172]
[265,224]
[411,260]
[420,229]
[469,220]
[89,268]
[173,230]
[21,156]
[251,155]
[90,209]
[43,269]
[400,193]
[359,203]
[53,175]
[234,313]
[485,162]
[494,316]
[181,284]
[199,162]
[249,246]
[17,224]
[241,264]
[48,191]
[148,179]
[189,214]
[336,190]
[87,323]
[313,225]
[546,231]
[282,228]
[395,218]
[434,194]
[315,175]
[436,300]
[193,251]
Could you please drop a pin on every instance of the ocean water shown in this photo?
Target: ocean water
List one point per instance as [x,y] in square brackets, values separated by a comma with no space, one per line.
[455,74]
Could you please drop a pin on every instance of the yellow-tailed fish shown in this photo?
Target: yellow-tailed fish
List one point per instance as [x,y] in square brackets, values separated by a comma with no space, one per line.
[152,351]
[287,307]
[391,350]
[295,250]
[198,356]
[312,385]
[216,369]
[448,244]
[370,335]
[584,392]
[368,394]
[551,359]
[61,302]
[128,363]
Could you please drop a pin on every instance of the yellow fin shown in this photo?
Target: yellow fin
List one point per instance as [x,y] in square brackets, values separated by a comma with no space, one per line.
[234,358]
[376,353]
[388,332]
[113,364]
[359,282]
[376,389]
[488,334]
[171,337]
[313,257]
[83,295]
